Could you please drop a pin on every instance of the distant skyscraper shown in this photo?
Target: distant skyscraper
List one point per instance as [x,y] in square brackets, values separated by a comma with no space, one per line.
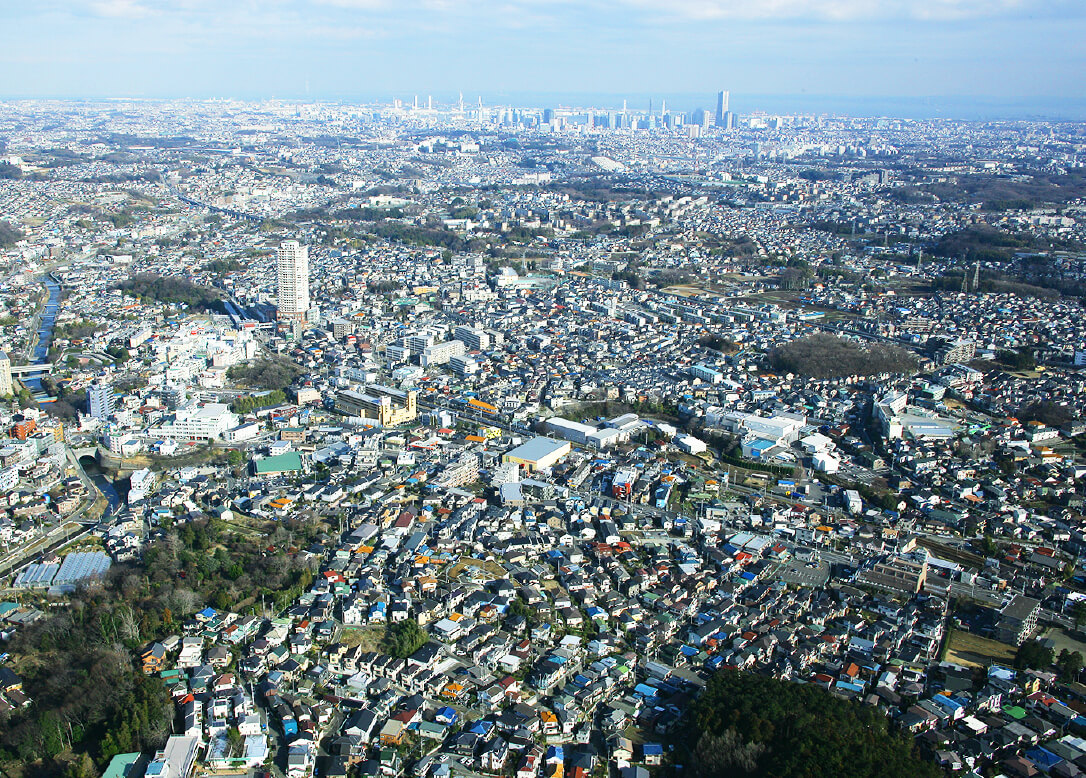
[293,266]
[100,399]
[721,108]
[548,116]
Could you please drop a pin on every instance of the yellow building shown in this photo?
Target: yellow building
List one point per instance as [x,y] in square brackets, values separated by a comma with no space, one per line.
[385,405]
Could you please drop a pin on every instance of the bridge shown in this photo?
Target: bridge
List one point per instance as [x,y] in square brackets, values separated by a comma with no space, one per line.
[46,367]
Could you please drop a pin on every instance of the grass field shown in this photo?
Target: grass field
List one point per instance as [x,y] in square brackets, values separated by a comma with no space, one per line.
[368,637]
[974,651]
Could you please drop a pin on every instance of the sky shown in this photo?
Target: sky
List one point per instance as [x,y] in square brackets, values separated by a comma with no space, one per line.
[1022,54]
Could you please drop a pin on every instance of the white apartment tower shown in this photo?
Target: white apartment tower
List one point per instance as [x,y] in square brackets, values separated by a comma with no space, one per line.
[293,265]
[6,385]
[100,399]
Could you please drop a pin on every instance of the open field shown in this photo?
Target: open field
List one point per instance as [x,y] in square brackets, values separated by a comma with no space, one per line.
[974,651]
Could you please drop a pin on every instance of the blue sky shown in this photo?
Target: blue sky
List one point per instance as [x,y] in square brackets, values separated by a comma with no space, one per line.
[1002,49]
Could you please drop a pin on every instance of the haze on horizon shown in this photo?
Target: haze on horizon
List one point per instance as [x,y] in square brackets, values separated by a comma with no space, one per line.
[1000,52]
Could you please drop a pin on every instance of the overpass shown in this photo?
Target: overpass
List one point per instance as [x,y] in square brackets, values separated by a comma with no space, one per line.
[46,367]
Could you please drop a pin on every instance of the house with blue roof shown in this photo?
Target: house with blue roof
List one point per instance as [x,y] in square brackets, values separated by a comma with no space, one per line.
[652,753]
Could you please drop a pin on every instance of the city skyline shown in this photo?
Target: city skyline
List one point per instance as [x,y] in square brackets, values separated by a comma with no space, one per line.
[952,51]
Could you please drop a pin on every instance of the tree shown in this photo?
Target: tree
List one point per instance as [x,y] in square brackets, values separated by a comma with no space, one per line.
[80,767]
[1033,655]
[1019,359]
[1069,664]
[234,741]
[404,638]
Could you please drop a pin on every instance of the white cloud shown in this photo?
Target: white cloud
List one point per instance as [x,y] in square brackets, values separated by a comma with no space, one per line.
[361,5]
[831,10]
[755,10]
[120,9]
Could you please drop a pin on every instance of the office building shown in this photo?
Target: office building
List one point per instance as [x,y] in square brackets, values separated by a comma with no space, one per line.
[721,108]
[100,399]
[293,266]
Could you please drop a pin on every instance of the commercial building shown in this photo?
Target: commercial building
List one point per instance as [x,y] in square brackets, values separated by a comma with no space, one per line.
[623,483]
[292,260]
[902,575]
[385,405]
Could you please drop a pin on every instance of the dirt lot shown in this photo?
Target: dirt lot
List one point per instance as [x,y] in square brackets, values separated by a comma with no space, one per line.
[1061,639]
[974,651]
[480,565]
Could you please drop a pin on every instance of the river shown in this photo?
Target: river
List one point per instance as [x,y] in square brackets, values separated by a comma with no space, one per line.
[33,383]
[45,334]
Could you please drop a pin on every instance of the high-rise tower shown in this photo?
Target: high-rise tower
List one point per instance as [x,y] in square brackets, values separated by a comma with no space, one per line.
[721,108]
[293,266]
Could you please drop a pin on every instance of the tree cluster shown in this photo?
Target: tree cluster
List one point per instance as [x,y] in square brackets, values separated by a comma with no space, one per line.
[718,343]
[171,290]
[1048,413]
[265,373]
[222,266]
[828,356]
[250,403]
[1017,359]
[1033,655]
[404,638]
[747,724]
[9,235]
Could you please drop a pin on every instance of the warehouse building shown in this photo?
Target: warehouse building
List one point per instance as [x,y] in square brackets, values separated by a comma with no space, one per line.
[538,453]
